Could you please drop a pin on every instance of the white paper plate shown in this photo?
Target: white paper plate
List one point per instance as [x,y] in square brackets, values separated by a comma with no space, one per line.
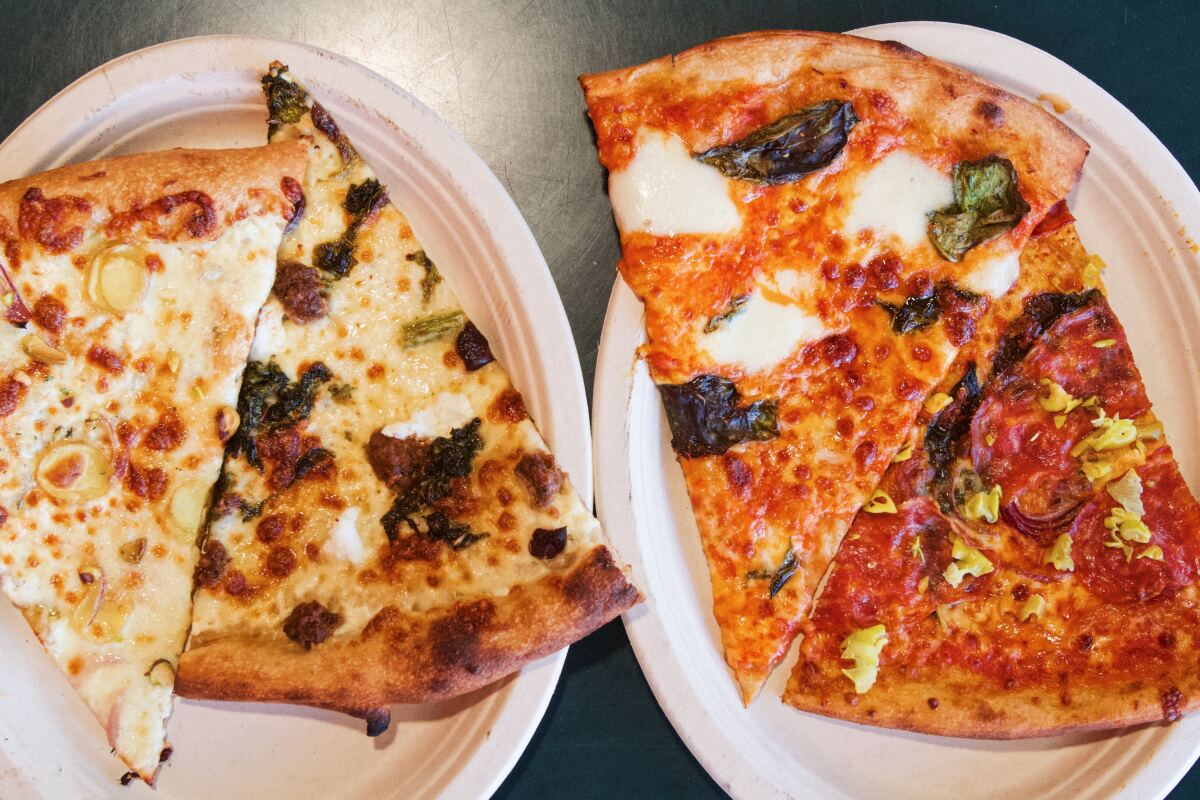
[1135,205]
[204,92]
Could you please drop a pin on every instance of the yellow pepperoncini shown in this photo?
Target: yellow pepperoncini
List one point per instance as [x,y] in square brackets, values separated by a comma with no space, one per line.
[863,646]
[967,561]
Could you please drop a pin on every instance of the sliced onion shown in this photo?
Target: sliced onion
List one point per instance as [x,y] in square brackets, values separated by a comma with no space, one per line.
[73,471]
[1042,527]
[117,278]
[188,505]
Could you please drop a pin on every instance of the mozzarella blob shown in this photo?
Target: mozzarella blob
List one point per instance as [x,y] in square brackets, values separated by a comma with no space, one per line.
[994,273]
[664,191]
[344,540]
[766,331]
[894,198]
[449,410]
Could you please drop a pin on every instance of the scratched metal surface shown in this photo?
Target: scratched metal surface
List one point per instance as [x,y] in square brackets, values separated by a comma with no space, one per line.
[503,73]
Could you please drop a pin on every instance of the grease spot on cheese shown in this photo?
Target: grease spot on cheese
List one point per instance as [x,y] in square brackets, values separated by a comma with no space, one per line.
[994,274]
[449,410]
[664,191]
[344,541]
[895,196]
[774,321]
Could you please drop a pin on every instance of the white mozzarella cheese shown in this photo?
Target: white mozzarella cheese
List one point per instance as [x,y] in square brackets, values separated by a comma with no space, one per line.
[895,197]
[344,540]
[994,273]
[448,411]
[764,332]
[664,191]
[269,337]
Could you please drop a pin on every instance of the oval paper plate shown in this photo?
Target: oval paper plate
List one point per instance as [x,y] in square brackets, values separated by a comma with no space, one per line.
[204,92]
[1135,205]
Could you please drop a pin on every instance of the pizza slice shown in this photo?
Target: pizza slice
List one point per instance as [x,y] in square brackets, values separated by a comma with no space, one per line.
[392,527]
[814,223]
[130,289]
[1030,567]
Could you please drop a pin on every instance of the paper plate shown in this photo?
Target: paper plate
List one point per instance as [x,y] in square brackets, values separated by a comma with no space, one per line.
[1135,206]
[204,92]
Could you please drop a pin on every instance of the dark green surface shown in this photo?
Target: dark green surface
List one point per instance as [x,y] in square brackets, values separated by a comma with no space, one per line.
[503,73]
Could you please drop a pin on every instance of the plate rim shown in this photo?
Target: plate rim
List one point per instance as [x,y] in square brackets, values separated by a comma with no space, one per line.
[499,214]
[613,384]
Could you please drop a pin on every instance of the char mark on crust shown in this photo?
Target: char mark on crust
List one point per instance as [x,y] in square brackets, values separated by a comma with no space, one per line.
[48,220]
[1039,313]
[378,721]
[899,48]
[991,113]
[456,639]
[600,585]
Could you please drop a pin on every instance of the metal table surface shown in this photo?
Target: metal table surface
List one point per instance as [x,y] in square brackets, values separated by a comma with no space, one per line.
[503,73]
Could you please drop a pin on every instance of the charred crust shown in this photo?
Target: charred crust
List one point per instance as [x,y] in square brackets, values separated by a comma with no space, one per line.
[455,639]
[990,113]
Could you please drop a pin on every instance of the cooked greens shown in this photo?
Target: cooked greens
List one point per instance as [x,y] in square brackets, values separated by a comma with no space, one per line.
[732,310]
[337,257]
[430,329]
[450,457]
[269,401]
[782,574]
[706,417]
[987,202]
[789,148]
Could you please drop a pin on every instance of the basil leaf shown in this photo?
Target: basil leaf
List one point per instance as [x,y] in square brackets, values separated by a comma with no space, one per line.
[789,148]
[735,307]
[917,312]
[987,202]
[782,574]
[706,418]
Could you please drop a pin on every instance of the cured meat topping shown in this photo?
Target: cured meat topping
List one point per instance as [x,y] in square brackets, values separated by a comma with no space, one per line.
[310,623]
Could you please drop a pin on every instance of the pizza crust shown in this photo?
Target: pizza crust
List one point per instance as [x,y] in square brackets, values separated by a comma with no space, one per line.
[956,702]
[1047,154]
[414,657]
[116,184]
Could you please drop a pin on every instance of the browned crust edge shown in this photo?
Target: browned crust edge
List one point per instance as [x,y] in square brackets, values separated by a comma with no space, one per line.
[947,97]
[116,184]
[968,706]
[414,657]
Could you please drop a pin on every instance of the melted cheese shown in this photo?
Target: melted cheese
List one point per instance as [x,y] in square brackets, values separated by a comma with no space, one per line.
[894,198]
[344,540]
[769,327]
[664,191]
[993,274]
[269,336]
[447,411]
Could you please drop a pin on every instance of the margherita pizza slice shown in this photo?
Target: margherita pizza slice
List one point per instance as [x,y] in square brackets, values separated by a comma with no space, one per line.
[1031,567]
[393,528]
[813,222]
[131,287]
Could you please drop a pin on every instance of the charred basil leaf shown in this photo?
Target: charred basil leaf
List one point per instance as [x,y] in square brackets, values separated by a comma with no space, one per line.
[706,417]
[450,457]
[782,574]
[734,308]
[789,148]
[268,401]
[287,102]
[946,428]
[917,312]
[441,528]
[1039,313]
[987,202]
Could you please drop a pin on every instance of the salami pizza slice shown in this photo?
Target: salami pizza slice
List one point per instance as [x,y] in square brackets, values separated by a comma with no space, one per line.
[392,527]
[814,223]
[130,291]
[1031,567]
